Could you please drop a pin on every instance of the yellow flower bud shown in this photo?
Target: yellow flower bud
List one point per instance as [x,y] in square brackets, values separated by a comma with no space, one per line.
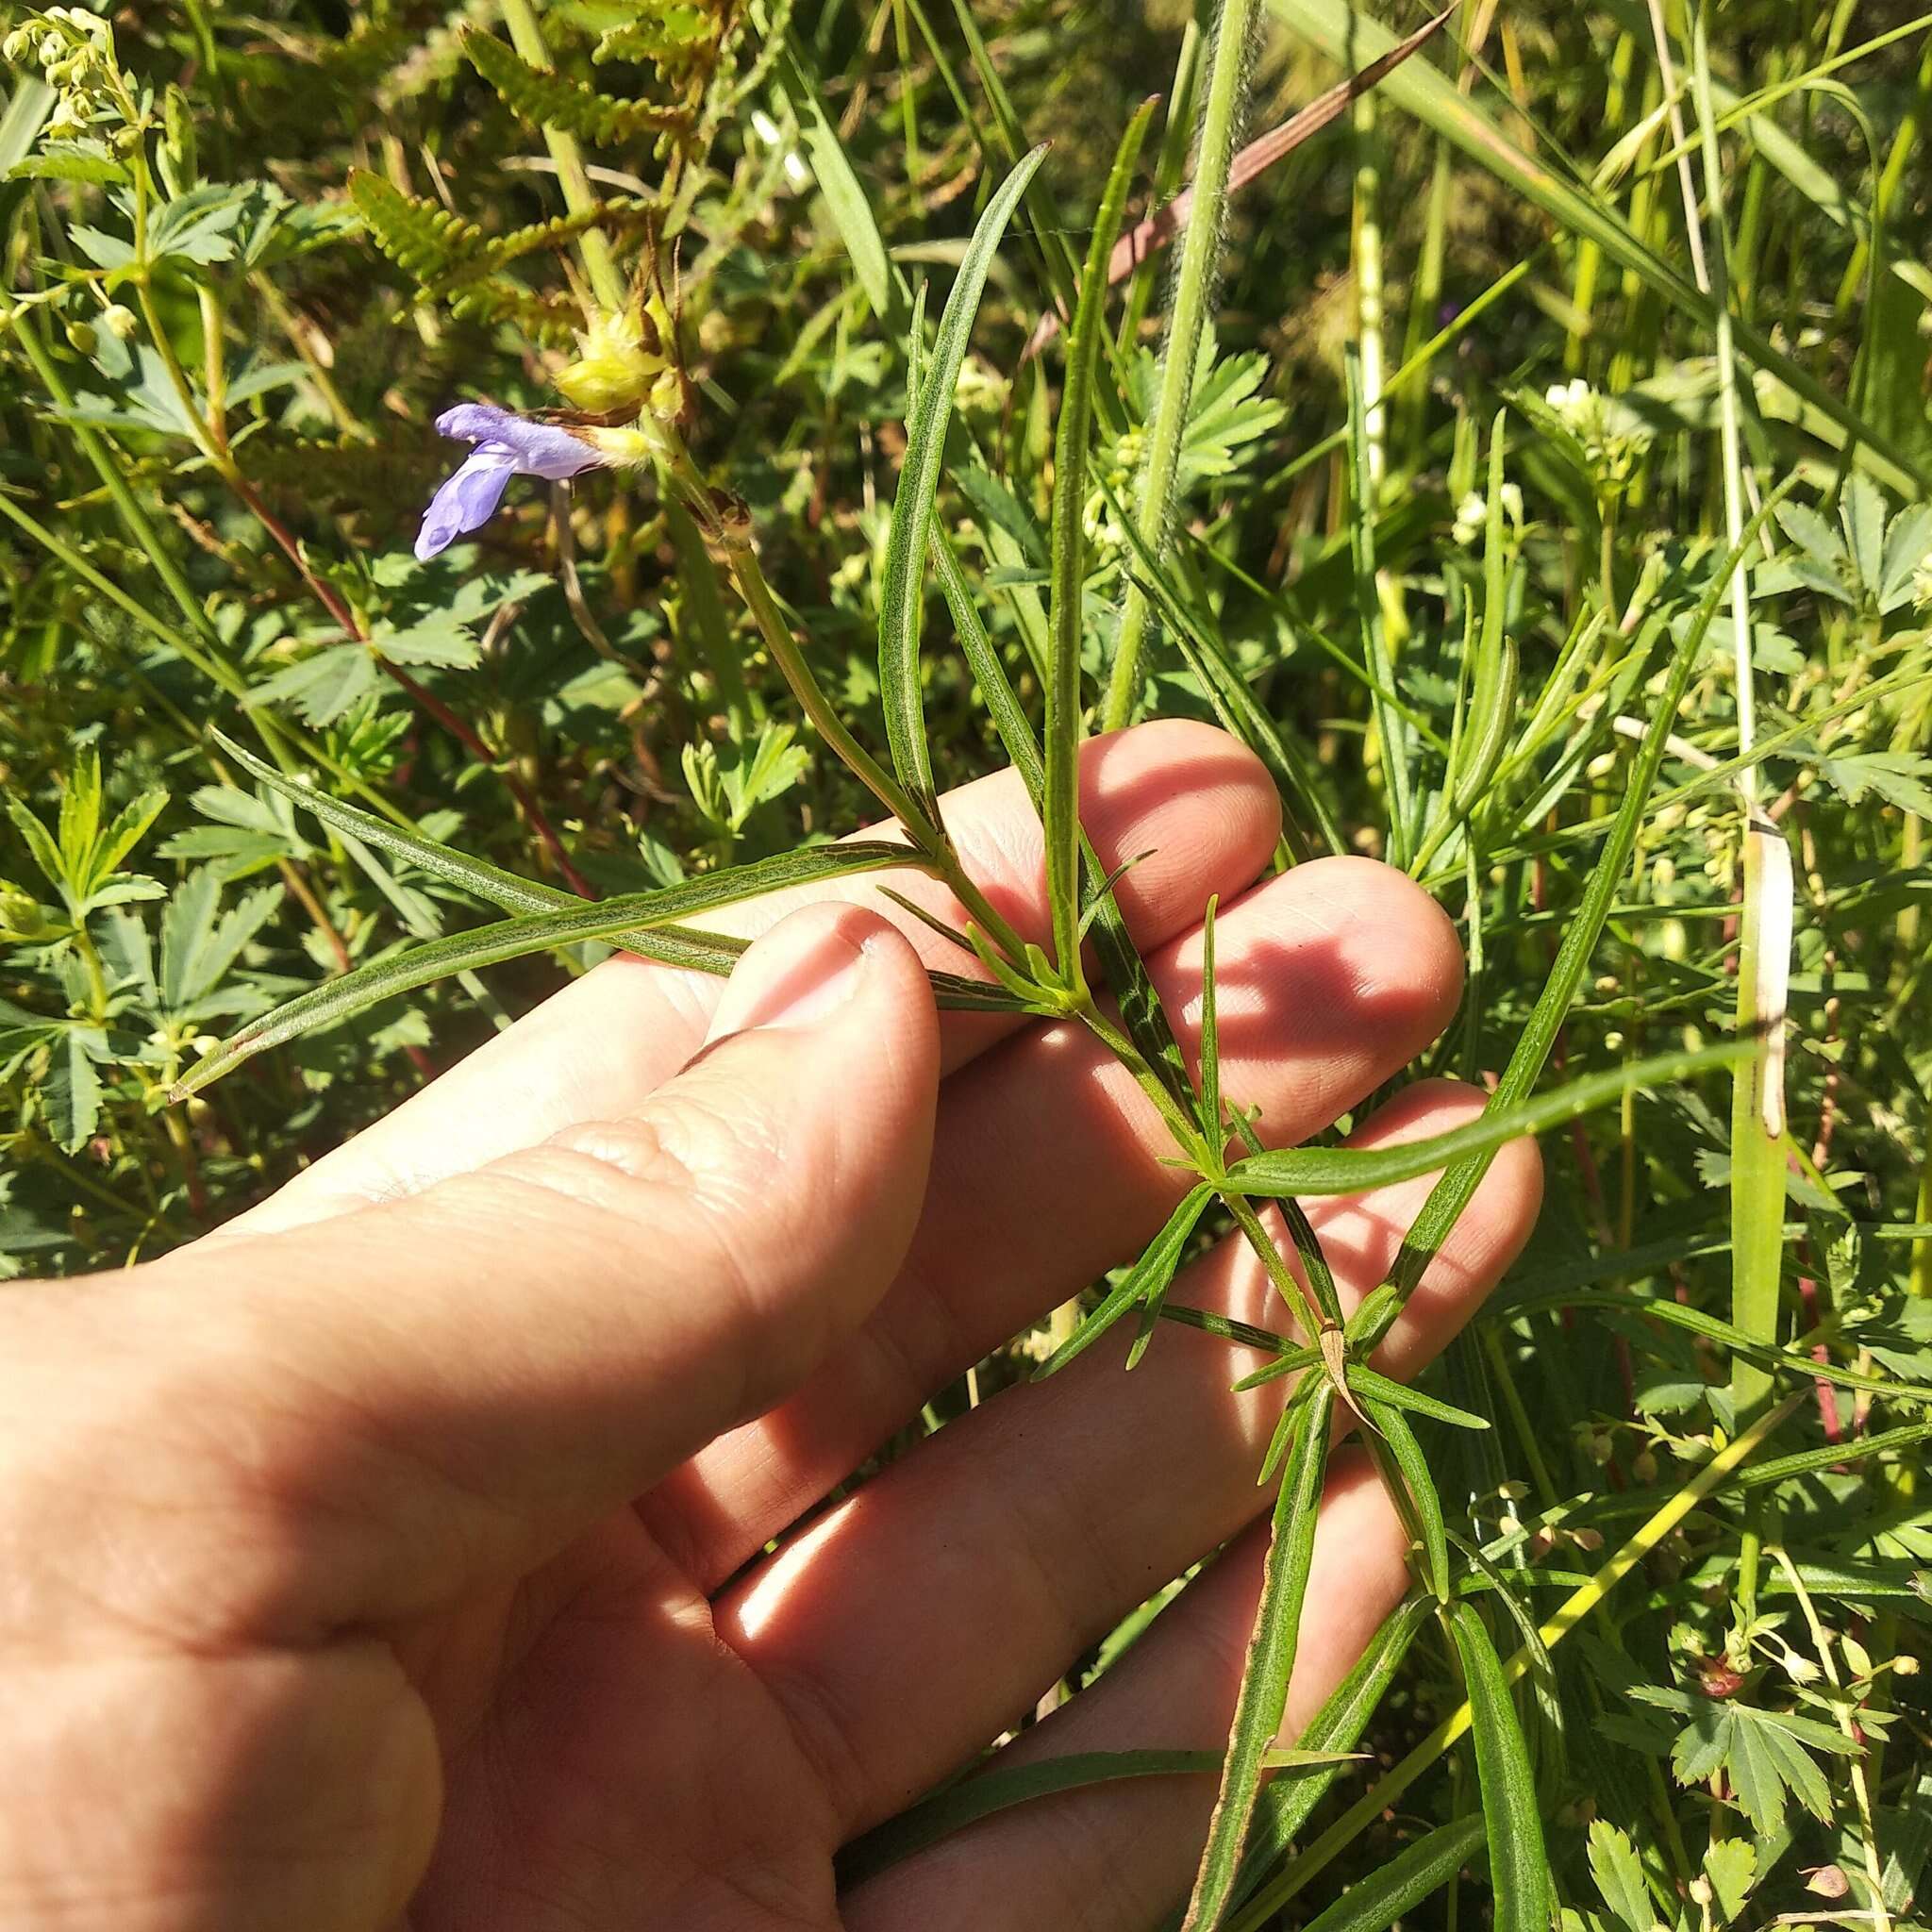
[621,365]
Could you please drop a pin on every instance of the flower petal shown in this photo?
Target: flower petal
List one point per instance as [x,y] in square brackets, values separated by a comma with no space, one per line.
[538,449]
[466,500]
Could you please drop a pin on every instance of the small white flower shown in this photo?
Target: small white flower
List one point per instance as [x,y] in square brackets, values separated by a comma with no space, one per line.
[1470,513]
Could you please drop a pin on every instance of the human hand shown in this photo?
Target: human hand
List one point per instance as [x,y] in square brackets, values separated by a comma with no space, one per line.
[394,1556]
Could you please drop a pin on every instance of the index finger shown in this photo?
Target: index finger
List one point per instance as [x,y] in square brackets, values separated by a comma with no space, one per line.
[1191,805]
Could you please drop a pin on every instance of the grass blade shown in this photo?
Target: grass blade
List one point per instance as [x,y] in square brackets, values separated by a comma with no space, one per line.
[1194,291]
[1271,1662]
[1344,34]
[1062,730]
[903,594]
[1519,1865]
[1390,733]
[533,932]
[845,198]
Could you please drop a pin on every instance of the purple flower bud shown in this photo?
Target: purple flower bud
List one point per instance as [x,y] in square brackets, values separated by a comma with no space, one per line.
[507,445]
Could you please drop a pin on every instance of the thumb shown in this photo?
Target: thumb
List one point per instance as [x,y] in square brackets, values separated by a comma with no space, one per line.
[453,1385]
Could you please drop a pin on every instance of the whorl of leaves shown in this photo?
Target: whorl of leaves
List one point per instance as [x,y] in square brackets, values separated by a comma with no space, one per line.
[556,101]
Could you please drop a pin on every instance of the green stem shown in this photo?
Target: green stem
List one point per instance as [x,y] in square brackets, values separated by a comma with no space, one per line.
[600,265]
[928,837]
[1194,282]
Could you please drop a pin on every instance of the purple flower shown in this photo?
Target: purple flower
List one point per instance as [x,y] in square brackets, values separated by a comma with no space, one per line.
[507,445]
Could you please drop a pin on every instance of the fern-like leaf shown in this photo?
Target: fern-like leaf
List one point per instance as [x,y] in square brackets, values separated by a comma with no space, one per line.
[555,100]
[425,240]
[672,35]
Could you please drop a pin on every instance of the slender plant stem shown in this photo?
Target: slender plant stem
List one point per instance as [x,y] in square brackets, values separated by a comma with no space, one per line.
[593,247]
[1194,289]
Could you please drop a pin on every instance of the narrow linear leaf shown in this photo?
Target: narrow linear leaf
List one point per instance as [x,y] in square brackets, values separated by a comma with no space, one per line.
[1001,1787]
[1286,1170]
[1155,1267]
[1271,1660]
[1418,1488]
[996,687]
[1519,1865]
[1400,1396]
[511,938]
[1404,1881]
[1285,1807]
[902,596]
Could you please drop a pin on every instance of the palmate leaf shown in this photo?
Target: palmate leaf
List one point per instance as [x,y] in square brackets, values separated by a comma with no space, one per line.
[533,932]
[1519,1865]
[902,596]
[1263,1695]
[545,99]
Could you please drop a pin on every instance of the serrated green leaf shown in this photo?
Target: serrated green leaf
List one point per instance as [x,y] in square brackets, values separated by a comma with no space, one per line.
[72,1095]
[902,596]
[1731,1865]
[79,822]
[322,685]
[437,641]
[84,161]
[1619,1874]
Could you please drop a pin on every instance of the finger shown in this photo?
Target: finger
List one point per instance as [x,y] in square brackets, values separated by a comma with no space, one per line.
[914,1622]
[1051,1166]
[1198,805]
[445,1388]
[1115,1858]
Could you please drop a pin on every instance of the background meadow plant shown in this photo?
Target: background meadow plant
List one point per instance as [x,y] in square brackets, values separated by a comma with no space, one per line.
[1526,458]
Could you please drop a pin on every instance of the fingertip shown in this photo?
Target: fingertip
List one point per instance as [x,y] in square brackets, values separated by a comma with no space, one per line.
[1406,946]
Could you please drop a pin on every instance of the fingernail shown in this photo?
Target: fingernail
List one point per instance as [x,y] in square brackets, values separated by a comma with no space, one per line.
[792,977]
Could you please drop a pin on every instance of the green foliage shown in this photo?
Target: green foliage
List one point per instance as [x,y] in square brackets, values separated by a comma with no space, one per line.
[1420,486]
[552,100]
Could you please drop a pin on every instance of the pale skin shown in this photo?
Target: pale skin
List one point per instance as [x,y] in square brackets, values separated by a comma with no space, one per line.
[396,1556]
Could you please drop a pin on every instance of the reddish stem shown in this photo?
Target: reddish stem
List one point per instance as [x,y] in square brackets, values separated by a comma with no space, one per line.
[431,705]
